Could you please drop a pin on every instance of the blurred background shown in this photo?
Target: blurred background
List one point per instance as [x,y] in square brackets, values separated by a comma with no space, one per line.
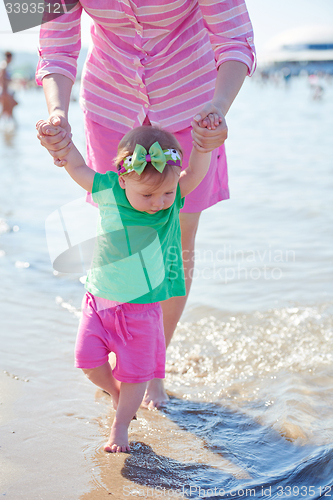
[249,371]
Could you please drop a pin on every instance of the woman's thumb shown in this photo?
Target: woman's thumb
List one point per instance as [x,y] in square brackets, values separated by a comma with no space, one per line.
[59,121]
[198,117]
[55,120]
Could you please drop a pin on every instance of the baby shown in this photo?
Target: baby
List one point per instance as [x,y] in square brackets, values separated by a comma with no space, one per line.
[139,222]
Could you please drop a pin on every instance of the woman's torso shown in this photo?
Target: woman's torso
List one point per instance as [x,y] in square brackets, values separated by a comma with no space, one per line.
[154,58]
[151,59]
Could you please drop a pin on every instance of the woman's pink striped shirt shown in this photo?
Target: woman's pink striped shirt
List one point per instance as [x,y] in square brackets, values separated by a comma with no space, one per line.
[154,57]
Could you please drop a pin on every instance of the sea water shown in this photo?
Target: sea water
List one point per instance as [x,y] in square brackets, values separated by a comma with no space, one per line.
[249,371]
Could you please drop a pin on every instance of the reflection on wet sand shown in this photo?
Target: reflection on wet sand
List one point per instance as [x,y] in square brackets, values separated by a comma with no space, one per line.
[194,447]
[164,455]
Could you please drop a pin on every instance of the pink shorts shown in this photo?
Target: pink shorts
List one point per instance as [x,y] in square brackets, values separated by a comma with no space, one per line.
[102,144]
[134,332]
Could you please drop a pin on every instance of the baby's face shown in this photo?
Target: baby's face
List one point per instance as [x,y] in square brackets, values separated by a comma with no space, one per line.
[146,196]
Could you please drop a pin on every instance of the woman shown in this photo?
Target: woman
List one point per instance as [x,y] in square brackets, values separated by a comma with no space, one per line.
[158,62]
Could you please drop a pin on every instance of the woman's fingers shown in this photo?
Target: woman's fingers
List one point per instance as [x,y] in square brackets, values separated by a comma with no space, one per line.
[47,128]
[55,135]
[199,148]
[39,125]
[60,121]
[55,142]
[60,154]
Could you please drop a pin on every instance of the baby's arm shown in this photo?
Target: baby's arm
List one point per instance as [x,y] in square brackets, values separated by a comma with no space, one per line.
[74,164]
[197,168]
[199,161]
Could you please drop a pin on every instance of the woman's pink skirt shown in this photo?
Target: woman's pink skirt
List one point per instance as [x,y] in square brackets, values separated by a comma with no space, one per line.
[102,144]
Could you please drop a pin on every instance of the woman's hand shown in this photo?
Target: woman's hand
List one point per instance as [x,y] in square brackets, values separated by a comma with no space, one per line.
[54,135]
[209,129]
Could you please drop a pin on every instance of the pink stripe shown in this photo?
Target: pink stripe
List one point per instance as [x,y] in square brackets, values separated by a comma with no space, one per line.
[173,99]
[115,117]
[160,97]
[180,78]
[112,97]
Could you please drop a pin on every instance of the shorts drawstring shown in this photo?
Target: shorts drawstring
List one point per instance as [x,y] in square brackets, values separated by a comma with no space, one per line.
[121,326]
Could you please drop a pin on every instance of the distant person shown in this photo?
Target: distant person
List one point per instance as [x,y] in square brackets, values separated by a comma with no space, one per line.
[7,100]
[316,86]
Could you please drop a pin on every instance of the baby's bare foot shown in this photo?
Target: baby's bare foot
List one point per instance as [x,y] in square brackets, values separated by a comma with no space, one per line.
[118,440]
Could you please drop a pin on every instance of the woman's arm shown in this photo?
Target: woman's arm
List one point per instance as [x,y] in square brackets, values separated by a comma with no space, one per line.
[230,78]
[231,35]
[230,31]
[60,44]
[57,89]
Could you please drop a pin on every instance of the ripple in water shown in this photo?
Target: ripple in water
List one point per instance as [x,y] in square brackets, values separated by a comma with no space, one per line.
[269,377]
[250,415]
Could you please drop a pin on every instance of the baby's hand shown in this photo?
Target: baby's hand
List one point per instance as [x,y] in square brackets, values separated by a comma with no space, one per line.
[211,121]
[209,128]
[46,128]
[60,163]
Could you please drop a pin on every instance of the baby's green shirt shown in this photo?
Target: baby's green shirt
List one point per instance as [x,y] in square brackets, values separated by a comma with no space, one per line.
[137,256]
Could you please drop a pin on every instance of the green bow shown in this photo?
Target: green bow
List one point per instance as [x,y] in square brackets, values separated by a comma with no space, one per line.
[139,160]
[156,155]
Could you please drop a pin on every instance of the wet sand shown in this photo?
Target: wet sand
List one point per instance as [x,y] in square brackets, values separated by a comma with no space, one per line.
[44,456]
[228,435]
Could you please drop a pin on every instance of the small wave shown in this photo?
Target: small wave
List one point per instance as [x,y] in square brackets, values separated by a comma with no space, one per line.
[252,345]
[275,367]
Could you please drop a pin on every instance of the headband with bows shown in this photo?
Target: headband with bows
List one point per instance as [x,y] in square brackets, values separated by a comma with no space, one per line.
[156,155]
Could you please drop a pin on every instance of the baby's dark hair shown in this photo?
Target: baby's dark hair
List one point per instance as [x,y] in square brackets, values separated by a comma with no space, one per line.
[146,136]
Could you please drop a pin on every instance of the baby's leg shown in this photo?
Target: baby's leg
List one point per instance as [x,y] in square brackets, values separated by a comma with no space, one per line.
[130,397]
[103,378]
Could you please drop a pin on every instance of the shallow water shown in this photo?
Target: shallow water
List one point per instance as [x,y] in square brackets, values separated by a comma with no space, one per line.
[249,370]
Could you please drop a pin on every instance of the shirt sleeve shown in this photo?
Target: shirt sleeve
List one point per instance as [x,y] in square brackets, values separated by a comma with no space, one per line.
[100,184]
[230,31]
[179,200]
[60,44]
